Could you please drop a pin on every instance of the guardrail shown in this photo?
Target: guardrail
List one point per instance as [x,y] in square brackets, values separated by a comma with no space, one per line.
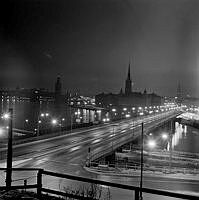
[41,189]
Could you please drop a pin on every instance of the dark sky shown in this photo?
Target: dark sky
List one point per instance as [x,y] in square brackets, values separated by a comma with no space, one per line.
[90,43]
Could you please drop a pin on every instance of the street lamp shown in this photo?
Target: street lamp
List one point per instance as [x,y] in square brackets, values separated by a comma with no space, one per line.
[38,126]
[142,149]
[151,144]
[9,153]
[164,136]
[54,121]
[6,116]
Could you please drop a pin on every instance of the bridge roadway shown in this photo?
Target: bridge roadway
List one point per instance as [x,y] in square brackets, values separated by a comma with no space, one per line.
[67,154]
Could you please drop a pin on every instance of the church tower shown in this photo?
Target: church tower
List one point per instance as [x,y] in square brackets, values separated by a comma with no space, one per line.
[128,83]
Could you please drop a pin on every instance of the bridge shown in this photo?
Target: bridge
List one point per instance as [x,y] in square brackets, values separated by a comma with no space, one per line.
[189,118]
[129,130]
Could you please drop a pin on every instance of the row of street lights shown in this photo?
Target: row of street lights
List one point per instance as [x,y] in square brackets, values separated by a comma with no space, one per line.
[53,121]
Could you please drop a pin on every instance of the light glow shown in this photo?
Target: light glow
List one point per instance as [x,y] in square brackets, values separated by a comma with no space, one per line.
[151,144]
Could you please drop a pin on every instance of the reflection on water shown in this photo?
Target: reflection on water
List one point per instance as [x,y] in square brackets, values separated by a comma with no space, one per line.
[178,134]
[27,114]
[185,139]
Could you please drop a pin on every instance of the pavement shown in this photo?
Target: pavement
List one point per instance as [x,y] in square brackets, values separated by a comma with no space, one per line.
[136,173]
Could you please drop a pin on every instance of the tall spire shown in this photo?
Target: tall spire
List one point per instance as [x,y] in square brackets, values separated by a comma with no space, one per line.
[129,72]
[128,83]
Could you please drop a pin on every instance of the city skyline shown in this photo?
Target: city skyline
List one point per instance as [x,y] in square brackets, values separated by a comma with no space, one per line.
[90,44]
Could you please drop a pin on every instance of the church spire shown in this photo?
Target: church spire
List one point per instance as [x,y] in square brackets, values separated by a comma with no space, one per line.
[129,72]
[128,84]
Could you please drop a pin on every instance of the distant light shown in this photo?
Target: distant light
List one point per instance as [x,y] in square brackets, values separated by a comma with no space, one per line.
[164,136]
[151,144]
[127,115]
[104,119]
[141,113]
[63,119]
[39,121]
[124,109]
[54,121]
[6,116]
[26,120]
[107,119]
[42,114]
[113,110]
[47,114]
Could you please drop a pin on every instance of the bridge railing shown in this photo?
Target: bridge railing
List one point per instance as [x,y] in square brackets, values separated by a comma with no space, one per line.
[91,189]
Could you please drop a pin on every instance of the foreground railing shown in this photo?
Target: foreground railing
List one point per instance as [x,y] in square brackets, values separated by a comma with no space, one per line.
[47,176]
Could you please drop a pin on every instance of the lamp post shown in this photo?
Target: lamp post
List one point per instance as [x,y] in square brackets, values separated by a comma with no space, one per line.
[151,144]
[170,143]
[142,148]
[38,126]
[9,153]
[71,120]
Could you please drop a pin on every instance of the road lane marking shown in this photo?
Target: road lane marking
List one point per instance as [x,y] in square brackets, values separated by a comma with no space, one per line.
[74,148]
[96,141]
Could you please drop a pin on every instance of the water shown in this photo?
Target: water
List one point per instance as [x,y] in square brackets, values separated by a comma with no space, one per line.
[27,114]
[185,139]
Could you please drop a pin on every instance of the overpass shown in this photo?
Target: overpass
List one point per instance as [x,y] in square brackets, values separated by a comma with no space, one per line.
[129,130]
[190,119]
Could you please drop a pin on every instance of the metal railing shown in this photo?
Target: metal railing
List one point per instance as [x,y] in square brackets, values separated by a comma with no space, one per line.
[39,186]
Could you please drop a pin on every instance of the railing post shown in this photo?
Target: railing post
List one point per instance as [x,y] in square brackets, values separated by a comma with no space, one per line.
[39,183]
[137,194]
[25,184]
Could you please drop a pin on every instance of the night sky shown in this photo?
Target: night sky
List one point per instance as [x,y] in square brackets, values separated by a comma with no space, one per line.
[90,43]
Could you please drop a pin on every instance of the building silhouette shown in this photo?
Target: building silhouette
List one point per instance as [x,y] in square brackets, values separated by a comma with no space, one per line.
[128,99]
[179,97]
[128,83]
